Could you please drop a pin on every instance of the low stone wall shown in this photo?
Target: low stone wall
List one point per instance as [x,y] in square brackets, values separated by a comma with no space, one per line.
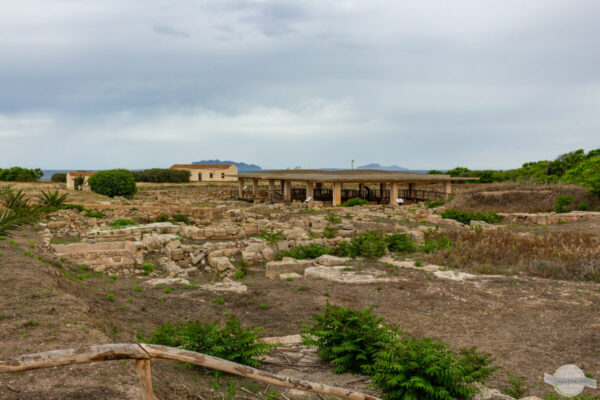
[132,232]
[102,255]
[551,218]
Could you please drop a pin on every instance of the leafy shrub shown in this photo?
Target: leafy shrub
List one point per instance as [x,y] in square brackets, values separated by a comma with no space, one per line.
[333,218]
[356,201]
[466,217]
[113,182]
[77,207]
[19,174]
[232,342]
[161,175]
[93,214]
[122,223]
[401,243]
[52,199]
[78,182]
[409,368]
[436,243]
[583,206]
[368,244]
[148,268]
[586,173]
[162,218]
[181,218]
[400,366]
[59,177]
[561,202]
[272,237]
[329,232]
[310,251]
[435,203]
[347,338]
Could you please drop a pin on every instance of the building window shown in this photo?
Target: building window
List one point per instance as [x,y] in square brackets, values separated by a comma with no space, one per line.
[222,175]
[211,175]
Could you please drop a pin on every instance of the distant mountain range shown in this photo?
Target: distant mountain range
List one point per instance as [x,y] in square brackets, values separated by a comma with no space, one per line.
[242,167]
[379,166]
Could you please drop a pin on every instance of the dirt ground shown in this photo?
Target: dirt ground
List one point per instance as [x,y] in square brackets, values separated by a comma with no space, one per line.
[530,326]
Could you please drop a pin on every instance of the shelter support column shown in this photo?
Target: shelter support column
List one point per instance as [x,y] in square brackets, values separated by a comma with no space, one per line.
[241,187]
[447,189]
[337,194]
[412,187]
[287,191]
[271,188]
[255,186]
[310,190]
[393,193]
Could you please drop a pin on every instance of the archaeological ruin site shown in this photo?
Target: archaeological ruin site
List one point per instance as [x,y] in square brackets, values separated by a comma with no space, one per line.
[298,284]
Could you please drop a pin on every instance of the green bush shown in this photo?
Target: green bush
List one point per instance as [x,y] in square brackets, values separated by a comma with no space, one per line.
[436,242]
[148,268]
[77,207]
[19,174]
[59,177]
[356,201]
[333,218]
[161,175]
[113,182]
[409,368]
[401,243]
[310,251]
[583,206]
[466,217]
[347,338]
[435,203]
[561,202]
[181,218]
[93,214]
[586,173]
[400,366]
[368,244]
[232,342]
[122,223]
[272,237]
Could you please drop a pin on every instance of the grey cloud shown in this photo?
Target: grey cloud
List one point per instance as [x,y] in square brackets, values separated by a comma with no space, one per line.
[167,30]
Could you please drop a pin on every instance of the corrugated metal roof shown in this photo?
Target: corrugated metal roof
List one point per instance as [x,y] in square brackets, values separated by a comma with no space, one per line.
[349,175]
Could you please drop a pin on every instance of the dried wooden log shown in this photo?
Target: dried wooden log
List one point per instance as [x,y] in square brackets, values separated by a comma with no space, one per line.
[142,367]
[204,360]
[144,352]
[88,354]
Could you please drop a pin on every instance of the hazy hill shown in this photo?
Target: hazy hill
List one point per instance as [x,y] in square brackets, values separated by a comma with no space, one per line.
[379,166]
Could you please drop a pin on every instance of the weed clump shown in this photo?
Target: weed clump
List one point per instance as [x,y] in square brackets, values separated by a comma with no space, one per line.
[466,217]
[232,342]
[122,223]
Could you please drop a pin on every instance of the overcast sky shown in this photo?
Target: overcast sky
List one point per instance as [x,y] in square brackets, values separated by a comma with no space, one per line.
[420,84]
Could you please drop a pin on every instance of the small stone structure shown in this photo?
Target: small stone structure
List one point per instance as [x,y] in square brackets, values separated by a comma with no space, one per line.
[74,174]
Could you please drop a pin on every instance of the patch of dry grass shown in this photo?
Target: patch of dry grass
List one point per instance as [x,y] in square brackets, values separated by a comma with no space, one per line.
[563,255]
[515,197]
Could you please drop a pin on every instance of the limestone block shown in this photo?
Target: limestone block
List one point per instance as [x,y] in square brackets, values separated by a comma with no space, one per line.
[287,265]
[330,261]
[295,234]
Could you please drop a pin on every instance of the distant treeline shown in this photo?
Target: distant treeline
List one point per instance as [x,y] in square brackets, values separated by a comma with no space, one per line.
[161,175]
[576,167]
[18,174]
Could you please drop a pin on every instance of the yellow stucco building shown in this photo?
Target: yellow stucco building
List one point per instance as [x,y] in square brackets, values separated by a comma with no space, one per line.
[210,172]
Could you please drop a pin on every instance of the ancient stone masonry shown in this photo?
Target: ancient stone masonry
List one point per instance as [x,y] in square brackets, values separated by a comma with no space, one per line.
[103,255]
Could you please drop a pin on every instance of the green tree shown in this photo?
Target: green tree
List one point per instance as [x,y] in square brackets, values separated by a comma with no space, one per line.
[113,182]
[586,173]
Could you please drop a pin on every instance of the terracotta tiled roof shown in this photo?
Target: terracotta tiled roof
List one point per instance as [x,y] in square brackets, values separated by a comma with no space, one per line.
[81,173]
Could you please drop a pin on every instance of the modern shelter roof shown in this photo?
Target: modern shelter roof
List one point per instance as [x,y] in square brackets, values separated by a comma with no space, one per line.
[348,175]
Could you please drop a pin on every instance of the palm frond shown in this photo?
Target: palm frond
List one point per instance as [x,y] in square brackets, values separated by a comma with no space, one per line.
[12,219]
